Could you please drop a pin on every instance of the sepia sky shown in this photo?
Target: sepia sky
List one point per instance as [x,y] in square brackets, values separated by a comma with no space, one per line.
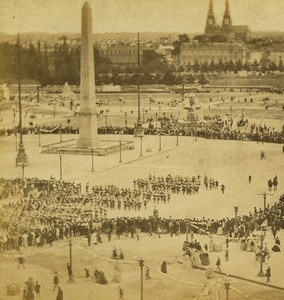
[136,15]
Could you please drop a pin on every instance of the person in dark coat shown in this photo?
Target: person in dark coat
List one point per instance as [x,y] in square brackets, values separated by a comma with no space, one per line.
[276,247]
[59,294]
[164,267]
[69,269]
[218,264]
[55,281]
[87,273]
[268,274]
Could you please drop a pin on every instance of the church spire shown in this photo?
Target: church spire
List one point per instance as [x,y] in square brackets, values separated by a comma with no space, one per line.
[210,17]
[227,21]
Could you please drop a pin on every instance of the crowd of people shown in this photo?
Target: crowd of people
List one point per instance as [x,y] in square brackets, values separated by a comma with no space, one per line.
[168,125]
[51,210]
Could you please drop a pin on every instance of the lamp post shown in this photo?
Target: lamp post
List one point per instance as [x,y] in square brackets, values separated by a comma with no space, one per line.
[186,231]
[138,81]
[260,273]
[92,150]
[37,93]
[143,116]
[39,140]
[125,119]
[60,166]
[120,160]
[264,199]
[227,288]
[141,264]
[160,141]
[70,262]
[60,133]
[22,157]
[156,121]
[236,215]
[177,133]
[141,146]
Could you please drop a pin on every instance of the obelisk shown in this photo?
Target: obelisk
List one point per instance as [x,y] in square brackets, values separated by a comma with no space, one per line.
[88,137]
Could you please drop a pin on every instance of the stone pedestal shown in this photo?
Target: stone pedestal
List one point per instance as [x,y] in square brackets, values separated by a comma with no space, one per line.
[88,131]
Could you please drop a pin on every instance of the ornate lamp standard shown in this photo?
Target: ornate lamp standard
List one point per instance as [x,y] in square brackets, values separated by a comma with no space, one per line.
[60,166]
[70,262]
[141,264]
[262,237]
[138,131]
[236,215]
[177,133]
[227,288]
[22,158]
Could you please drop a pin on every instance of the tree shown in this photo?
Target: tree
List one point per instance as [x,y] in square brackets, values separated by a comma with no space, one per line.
[196,66]
[182,38]
[169,78]
[153,61]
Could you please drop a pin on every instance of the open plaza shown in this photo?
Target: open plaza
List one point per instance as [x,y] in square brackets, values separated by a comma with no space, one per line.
[151,192]
[230,162]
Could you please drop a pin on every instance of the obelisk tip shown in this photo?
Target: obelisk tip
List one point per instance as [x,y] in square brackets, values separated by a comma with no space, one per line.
[86,5]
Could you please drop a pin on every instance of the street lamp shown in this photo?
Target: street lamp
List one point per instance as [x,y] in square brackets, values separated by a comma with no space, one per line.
[92,152]
[60,133]
[125,119]
[262,236]
[156,121]
[70,262]
[60,166]
[141,146]
[187,231]
[141,264]
[120,160]
[227,288]
[236,215]
[138,130]
[160,141]
[177,133]
[39,140]
[264,202]
[22,158]
[264,199]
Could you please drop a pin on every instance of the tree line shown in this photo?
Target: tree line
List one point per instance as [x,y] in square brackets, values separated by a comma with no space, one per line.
[62,64]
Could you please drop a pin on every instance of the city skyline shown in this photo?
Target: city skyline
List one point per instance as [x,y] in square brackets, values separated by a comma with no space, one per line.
[147,16]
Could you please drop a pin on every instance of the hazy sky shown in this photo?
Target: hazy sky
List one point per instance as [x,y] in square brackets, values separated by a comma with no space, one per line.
[136,15]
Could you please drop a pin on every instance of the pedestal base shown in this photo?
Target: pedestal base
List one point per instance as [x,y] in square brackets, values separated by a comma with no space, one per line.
[88,136]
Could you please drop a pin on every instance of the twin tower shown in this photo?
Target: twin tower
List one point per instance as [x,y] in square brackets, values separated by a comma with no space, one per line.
[240,33]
